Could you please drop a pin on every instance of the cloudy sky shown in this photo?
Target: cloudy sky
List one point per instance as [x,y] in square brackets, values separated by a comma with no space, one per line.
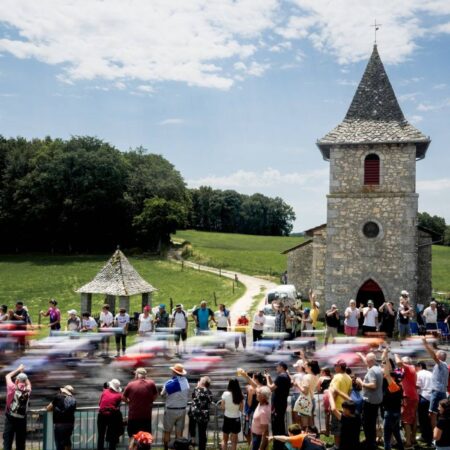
[234,93]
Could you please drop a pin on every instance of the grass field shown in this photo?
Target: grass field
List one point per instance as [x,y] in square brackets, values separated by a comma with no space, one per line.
[261,255]
[37,278]
[253,255]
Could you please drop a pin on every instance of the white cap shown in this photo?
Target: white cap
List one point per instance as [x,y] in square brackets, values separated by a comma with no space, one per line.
[72,311]
[405,293]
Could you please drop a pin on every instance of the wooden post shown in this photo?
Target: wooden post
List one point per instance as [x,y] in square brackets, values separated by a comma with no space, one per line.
[182,264]
[171,305]
[111,301]
[86,303]
[215,298]
[233,286]
[145,300]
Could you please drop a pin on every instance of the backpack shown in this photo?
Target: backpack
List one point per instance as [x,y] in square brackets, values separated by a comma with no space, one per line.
[19,404]
[67,408]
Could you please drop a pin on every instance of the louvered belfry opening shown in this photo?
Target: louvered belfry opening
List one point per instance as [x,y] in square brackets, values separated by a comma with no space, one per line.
[372,169]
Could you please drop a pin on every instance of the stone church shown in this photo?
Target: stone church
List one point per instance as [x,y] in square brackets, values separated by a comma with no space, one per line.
[371,246]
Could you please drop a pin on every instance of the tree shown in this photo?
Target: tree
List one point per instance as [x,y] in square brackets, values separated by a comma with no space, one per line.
[158,219]
[433,223]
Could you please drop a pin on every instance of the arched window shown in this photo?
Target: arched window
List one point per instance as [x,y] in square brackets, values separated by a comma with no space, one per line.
[372,169]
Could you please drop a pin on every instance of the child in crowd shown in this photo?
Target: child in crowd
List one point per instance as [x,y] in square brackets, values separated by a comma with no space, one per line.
[297,439]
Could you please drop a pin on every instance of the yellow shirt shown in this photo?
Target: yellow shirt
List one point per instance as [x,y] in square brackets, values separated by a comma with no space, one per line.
[314,316]
[343,383]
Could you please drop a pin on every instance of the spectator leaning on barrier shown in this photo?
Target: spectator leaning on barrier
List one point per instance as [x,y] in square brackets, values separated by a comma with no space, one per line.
[176,391]
[88,323]
[109,418]
[140,395]
[73,322]
[63,406]
[16,408]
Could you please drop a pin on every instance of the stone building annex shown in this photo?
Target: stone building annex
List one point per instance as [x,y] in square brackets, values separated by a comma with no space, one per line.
[371,246]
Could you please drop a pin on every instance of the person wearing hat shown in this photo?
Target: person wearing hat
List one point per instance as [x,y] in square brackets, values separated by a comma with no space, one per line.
[145,321]
[63,407]
[370,314]
[161,318]
[176,391]
[122,320]
[259,319]
[54,315]
[109,418]
[140,395]
[17,398]
[332,324]
[405,312]
[180,324]
[73,322]
[341,386]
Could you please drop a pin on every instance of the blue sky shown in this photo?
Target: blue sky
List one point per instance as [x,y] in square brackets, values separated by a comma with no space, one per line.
[233,93]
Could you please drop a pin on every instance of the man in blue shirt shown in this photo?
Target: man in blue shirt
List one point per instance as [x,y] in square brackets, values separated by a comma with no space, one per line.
[202,316]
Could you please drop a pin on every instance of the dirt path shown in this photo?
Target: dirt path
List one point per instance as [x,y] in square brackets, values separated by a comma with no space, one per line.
[253,285]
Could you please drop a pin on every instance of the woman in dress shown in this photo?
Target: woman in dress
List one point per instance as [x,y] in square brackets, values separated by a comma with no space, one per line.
[233,404]
[199,412]
[145,322]
[307,387]
[109,419]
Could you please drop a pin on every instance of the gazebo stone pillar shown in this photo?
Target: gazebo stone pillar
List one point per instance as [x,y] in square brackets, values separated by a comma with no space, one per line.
[86,303]
[111,301]
[124,302]
[146,299]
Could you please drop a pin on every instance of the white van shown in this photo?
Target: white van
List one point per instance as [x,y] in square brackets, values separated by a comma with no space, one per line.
[283,292]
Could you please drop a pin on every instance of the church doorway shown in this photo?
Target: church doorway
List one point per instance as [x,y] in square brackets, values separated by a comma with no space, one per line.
[370,290]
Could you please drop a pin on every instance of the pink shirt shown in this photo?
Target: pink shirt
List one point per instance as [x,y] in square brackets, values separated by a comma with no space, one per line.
[409,382]
[261,418]
[10,390]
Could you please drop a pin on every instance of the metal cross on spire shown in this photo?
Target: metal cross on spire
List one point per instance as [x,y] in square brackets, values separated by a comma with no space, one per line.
[376,27]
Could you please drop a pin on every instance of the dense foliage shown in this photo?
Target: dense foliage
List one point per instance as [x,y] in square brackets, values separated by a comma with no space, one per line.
[231,212]
[85,195]
[436,224]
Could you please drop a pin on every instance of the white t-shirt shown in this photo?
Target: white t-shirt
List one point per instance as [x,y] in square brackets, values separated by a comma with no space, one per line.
[353,316]
[122,320]
[424,383]
[90,323]
[297,379]
[429,315]
[370,317]
[145,323]
[179,320]
[106,319]
[258,322]
[231,410]
[222,320]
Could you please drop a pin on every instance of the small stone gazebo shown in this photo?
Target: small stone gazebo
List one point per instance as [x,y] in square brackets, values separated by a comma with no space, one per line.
[118,278]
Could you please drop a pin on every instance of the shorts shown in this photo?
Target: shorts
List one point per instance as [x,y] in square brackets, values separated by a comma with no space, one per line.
[335,426]
[404,329]
[180,334]
[350,331]
[174,418]
[331,332]
[231,426]
[436,397]
[409,409]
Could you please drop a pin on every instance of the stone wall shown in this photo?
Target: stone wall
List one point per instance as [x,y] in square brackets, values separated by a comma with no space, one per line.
[424,286]
[318,265]
[390,259]
[299,267]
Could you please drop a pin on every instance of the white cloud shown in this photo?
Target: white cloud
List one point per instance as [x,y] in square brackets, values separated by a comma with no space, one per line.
[177,40]
[254,68]
[267,178]
[344,82]
[411,97]
[440,86]
[438,185]
[342,27]
[146,88]
[171,121]
[415,119]
[424,107]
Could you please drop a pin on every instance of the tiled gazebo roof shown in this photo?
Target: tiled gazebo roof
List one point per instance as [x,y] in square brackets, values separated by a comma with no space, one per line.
[374,116]
[119,278]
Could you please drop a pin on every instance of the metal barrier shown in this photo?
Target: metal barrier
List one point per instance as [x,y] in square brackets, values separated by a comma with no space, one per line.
[84,437]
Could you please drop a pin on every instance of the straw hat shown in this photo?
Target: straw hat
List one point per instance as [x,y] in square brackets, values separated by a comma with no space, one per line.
[114,384]
[68,390]
[178,369]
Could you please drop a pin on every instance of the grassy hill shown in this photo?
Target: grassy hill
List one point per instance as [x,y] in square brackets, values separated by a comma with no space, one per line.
[261,255]
[253,255]
[37,278]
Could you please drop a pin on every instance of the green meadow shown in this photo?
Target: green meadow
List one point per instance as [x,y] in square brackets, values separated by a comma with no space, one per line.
[37,278]
[261,255]
[252,255]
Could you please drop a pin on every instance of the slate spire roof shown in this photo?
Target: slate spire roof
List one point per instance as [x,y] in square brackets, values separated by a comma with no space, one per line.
[374,116]
[118,277]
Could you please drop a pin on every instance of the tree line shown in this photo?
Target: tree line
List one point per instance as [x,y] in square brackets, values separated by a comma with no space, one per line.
[84,195]
[436,224]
